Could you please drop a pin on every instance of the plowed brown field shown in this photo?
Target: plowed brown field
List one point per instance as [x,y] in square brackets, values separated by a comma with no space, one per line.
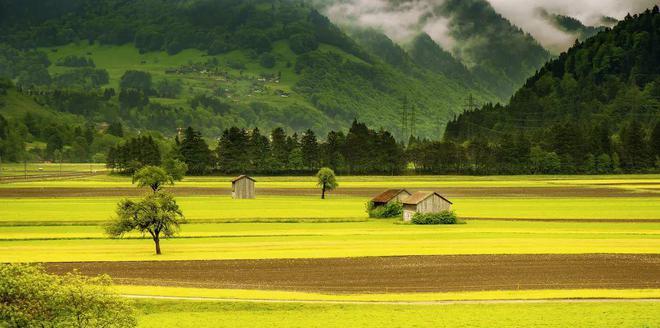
[391,274]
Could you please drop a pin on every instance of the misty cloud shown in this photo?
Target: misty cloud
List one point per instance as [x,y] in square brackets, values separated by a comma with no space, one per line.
[526,15]
[403,20]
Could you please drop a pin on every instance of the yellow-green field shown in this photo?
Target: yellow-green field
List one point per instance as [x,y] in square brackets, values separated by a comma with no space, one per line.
[56,228]
[224,314]
[94,210]
[323,240]
[632,182]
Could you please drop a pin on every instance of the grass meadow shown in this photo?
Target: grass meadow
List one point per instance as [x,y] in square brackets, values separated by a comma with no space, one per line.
[224,314]
[209,209]
[323,240]
[55,228]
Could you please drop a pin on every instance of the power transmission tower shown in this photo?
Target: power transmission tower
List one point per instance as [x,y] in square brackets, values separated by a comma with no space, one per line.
[470,105]
[412,122]
[404,119]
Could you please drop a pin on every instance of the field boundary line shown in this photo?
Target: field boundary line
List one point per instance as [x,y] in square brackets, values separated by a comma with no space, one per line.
[439,302]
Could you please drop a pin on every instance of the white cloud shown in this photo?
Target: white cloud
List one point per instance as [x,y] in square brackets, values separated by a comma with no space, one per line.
[525,14]
[403,20]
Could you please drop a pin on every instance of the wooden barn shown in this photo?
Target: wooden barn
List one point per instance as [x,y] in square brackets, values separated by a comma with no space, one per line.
[424,202]
[391,195]
[242,187]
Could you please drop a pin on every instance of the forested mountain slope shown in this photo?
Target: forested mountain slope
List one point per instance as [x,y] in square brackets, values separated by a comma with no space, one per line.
[597,106]
[163,65]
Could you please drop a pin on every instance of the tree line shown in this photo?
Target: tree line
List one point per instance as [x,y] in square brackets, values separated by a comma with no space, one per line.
[594,109]
[359,151]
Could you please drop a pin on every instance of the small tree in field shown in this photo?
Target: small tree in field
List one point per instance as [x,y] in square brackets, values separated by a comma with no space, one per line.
[157,214]
[326,180]
[153,176]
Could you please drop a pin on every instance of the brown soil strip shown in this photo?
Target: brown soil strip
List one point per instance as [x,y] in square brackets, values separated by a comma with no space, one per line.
[360,192]
[391,274]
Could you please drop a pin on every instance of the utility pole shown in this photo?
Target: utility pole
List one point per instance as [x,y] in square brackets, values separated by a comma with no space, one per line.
[404,119]
[412,122]
[470,105]
[25,167]
[0,168]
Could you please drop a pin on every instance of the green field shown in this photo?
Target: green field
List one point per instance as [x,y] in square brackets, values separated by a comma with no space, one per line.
[276,295]
[221,314]
[322,240]
[65,229]
[631,182]
[30,211]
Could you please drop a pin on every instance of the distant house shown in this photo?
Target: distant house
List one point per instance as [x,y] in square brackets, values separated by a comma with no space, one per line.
[242,187]
[391,195]
[424,202]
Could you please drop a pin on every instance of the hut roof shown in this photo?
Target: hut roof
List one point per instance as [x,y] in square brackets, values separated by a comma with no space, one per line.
[387,195]
[420,196]
[243,176]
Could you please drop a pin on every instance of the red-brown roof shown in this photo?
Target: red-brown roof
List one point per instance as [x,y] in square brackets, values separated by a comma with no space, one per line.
[419,196]
[242,177]
[388,195]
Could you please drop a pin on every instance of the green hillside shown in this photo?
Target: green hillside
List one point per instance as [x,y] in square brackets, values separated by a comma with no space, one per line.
[217,64]
[595,108]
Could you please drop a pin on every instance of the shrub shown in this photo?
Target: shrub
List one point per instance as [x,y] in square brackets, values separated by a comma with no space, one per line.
[33,298]
[444,217]
[267,60]
[389,210]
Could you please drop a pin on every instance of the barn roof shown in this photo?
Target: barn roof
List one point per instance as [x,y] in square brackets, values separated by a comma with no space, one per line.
[243,176]
[419,196]
[388,195]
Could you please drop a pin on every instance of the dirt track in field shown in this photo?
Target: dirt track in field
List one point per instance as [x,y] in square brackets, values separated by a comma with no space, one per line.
[391,274]
[361,192]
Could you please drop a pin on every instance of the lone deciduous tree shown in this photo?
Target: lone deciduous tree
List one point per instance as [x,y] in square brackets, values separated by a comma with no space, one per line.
[157,214]
[153,176]
[326,180]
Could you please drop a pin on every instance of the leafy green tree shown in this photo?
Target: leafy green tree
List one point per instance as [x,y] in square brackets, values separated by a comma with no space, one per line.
[169,88]
[137,80]
[157,214]
[175,168]
[655,141]
[116,129]
[303,42]
[326,180]
[635,151]
[153,176]
[33,298]
[267,60]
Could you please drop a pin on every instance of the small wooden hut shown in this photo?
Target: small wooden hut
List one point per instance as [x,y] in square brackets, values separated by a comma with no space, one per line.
[424,202]
[242,187]
[391,195]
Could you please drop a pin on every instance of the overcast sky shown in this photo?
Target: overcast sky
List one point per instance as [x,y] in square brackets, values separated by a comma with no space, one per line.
[401,23]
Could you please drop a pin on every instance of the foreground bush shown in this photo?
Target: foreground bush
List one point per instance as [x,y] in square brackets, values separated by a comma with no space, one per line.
[390,210]
[444,217]
[30,297]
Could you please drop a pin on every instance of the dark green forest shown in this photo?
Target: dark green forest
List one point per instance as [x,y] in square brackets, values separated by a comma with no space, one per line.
[283,68]
[281,63]
[596,108]
[360,151]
